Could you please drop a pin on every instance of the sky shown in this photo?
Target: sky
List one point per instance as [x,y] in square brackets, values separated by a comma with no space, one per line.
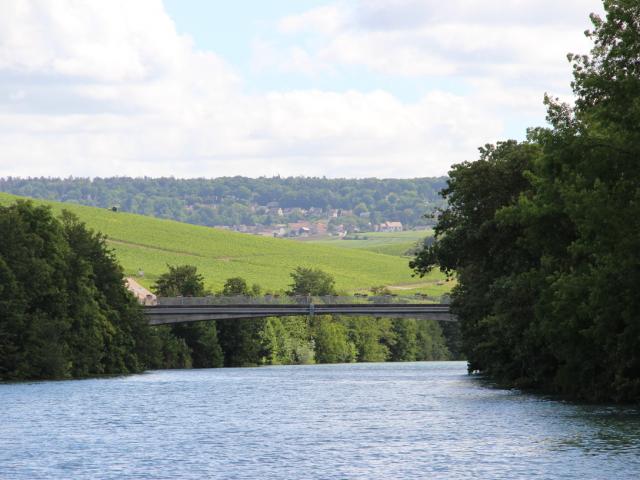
[210,88]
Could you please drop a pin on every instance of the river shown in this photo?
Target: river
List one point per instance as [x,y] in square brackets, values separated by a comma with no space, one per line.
[391,420]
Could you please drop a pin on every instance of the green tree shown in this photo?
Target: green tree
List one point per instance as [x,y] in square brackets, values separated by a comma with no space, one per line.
[332,344]
[360,208]
[129,344]
[64,309]
[311,281]
[587,184]
[243,340]
[371,338]
[431,343]
[405,340]
[201,338]
[547,256]
[235,286]
[180,280]
[470,242]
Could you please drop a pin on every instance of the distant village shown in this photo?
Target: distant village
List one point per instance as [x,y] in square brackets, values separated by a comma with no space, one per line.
[292,207]
[313,222]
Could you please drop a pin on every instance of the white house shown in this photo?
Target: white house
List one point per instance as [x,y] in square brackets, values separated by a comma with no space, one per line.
[390,227]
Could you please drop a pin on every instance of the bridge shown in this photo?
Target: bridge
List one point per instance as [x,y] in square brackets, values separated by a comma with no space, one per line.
[197,309]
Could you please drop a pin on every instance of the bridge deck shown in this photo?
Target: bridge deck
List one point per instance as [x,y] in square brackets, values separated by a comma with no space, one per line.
[167,313]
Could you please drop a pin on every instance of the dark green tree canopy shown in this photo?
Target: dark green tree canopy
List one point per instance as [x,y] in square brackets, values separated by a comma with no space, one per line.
[311,281]
[543,236]
[64,309]
[180,280]
[235,286]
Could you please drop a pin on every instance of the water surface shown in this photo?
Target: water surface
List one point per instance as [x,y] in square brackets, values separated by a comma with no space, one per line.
[393,420]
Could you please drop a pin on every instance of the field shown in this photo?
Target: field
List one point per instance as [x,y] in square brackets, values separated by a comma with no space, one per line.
[396,243]
[149,244]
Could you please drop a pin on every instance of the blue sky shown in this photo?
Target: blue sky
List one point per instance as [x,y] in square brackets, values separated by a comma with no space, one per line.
[230,28]
[343,88]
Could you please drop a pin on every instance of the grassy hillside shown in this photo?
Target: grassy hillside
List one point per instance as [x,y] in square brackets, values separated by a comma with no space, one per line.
[150,244]
[396,243]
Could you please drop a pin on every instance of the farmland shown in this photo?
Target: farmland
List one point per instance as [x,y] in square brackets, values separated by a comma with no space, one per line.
[148,244]
[388,243]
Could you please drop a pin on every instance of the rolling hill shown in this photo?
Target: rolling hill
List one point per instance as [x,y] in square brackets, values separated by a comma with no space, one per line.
[389,243]
[149,244]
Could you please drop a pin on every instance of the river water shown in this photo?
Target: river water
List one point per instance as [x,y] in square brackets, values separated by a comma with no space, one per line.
[391,420]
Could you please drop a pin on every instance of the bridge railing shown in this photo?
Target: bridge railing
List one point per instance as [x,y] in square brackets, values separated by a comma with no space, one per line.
[299,300]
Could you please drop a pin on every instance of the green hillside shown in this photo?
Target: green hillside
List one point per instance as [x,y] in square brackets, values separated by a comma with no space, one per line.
[389,243]
[150,244]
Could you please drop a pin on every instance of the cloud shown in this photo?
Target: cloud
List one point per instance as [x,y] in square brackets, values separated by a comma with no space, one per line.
[326,19]
[464,38]
[111,88]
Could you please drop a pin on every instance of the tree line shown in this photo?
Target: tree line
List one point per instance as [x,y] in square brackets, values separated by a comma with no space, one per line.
[233,200]
[544,235]
[64,309]
[289,340]
[65,313]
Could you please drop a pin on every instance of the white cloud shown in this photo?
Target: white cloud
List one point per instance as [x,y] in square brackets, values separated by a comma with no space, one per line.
[465,38]
[110,88]
[326,19]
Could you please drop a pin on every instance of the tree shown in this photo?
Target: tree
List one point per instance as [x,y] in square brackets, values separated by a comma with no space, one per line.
[430,341]
[360,208]
[470,242]
[405,340]
[201,338]
[587,180]
[64,308]
[371,338]
[548,255]
[224,201]
[243,340]
[235,286]
[180,280]
[332,343]
[129,343]
[311,281]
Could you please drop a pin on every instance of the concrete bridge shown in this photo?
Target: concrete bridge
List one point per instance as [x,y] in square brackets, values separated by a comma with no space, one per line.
[191,309]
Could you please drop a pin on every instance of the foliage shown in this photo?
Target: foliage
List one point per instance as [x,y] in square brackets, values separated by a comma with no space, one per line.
[201,339]
[332,343]
[469,240]
[237,200]
[544,237]
[243,340]
[64,309]
[183,280]
[287,341]
[298,340]
[149,244]
[238,286]
[311,281]
[432,342]
[371,338]
[405,341]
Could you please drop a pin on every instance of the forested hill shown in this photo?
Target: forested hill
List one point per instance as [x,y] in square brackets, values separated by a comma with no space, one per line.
[232,201]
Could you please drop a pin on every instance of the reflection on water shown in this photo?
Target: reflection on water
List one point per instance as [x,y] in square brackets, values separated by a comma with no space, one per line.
[408,420]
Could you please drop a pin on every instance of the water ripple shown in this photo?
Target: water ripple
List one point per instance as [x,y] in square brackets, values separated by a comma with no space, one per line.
[418,420]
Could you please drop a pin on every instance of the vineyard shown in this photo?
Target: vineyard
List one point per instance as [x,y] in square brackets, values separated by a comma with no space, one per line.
[147,244]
